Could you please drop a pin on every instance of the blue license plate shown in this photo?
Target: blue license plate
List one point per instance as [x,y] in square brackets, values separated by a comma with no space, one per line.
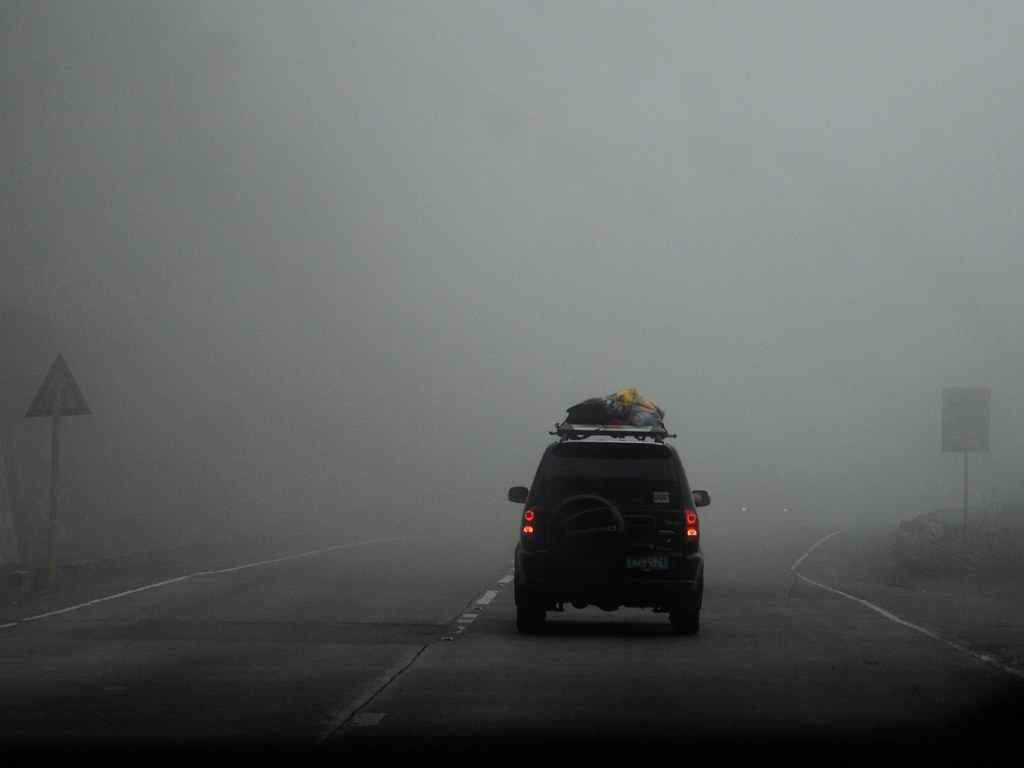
[647,562]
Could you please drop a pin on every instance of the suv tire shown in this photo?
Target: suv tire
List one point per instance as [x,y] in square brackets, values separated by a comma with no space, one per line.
[530,611]
[685,622]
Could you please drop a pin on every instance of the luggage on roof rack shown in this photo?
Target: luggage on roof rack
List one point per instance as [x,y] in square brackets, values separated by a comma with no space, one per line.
[623,414]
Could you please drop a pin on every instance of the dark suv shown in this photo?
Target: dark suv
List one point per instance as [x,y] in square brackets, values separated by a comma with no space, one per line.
[610,521]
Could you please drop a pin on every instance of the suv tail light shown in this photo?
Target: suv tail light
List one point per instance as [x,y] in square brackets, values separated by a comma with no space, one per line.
[528,516]
[692,525]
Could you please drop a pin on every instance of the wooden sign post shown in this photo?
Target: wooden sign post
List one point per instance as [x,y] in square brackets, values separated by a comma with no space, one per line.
[58,396]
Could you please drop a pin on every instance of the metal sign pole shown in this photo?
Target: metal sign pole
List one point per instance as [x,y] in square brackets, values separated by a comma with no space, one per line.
[54,483]
[964,532]
[966,427]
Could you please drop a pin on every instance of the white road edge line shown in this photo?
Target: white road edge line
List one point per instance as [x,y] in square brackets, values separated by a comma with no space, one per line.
[893,617]
[242,567]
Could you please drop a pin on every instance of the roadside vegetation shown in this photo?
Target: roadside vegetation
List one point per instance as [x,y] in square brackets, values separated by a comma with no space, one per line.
[933,552]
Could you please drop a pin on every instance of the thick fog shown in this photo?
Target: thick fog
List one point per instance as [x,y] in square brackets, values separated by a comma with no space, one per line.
[341,265]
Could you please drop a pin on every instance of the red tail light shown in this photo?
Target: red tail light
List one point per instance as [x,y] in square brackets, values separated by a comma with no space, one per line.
[692,525]
[528,514]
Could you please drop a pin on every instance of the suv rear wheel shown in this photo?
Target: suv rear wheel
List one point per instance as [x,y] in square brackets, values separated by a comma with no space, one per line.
[530,611]
[685,622]
[685,615]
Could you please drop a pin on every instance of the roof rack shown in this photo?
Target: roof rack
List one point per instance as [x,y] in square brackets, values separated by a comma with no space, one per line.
[567,431]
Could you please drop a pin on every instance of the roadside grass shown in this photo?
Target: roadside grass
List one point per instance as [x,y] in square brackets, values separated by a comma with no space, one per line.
[933,553]
[1011,591]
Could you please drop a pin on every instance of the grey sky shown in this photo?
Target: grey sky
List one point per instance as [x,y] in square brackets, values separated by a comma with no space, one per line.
[362,254]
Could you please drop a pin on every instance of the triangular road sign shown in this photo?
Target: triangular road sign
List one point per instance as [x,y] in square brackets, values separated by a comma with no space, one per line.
[71,401]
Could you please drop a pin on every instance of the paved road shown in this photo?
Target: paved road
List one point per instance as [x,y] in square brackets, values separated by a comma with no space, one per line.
[374,646]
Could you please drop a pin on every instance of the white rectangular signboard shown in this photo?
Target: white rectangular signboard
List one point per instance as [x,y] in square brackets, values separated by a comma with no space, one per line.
[966,419]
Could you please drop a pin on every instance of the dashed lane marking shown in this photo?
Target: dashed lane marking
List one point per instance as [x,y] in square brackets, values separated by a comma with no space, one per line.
[486,597]
[366,719]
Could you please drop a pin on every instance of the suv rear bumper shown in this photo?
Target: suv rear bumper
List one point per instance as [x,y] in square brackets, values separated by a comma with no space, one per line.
[681,587]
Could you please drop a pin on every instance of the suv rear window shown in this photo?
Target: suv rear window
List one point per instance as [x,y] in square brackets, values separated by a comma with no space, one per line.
[598,461]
